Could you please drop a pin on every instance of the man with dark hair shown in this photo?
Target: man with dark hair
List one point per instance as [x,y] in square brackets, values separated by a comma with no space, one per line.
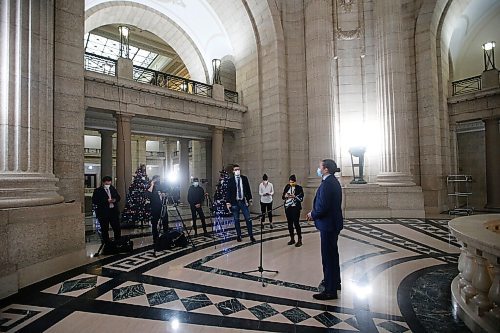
[196,195]
[156,194]
[239,197]
[327,216]
[105,200]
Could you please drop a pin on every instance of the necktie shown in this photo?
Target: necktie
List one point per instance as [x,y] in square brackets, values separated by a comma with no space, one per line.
[238,185]
[109,196]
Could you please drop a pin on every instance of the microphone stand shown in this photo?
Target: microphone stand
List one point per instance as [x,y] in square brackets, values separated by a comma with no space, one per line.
[261,269]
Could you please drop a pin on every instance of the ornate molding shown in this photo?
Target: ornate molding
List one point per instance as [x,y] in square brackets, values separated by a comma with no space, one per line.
[347,34]
[346,5]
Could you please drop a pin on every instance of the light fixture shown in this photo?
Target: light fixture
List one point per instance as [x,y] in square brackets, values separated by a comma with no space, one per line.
[90,167]
[358,152]
[124,41]
[489,55]
[216,71]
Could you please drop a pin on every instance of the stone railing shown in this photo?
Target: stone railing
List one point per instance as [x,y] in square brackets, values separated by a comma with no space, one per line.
[476,289]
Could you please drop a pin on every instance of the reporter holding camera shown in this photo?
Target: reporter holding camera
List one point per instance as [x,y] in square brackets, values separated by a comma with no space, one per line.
[157,199]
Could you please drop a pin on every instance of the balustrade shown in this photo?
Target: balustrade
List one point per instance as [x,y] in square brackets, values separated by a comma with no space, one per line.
[476,289]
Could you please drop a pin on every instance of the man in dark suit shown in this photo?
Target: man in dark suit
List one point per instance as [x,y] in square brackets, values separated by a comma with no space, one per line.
[105,200]
[196,195]
[239,197]
[156,194]
[327,216]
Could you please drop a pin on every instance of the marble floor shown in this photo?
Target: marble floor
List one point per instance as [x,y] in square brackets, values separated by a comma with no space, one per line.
[396,275]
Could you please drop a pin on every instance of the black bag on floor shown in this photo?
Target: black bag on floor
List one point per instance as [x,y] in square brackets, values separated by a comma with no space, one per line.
[171,239]
[121,246]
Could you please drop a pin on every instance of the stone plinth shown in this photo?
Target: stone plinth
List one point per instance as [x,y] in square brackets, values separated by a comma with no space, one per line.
[125,68]
[218,92]
[39,242]
[490,79]
[375,201]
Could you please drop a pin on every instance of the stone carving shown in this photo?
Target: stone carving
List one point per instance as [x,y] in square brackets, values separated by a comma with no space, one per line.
[347,34]
[346,5]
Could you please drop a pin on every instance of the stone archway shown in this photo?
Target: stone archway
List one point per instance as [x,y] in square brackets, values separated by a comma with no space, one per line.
[129,12]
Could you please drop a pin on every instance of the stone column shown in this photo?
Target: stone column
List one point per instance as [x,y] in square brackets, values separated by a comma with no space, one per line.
[184,175]
[26,104]
[391,89]
[217,149]
[320,108]
[123,155]
[166,162]
[141,151]
[492,140]
[106,153]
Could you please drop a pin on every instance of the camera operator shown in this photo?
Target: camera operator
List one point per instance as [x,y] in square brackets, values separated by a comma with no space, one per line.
[157,196]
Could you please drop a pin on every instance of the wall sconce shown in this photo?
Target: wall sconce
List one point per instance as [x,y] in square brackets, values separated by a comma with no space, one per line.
[216,71]
[489,55]
[358,152]
[124,41]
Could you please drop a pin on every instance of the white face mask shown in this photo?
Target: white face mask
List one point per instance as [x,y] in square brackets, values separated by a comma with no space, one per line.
[106,186]
[265,182]
[237,172]
[196,184]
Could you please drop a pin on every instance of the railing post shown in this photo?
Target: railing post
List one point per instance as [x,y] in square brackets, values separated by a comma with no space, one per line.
[218,92]
[494,292]
[482,283]
[468,290]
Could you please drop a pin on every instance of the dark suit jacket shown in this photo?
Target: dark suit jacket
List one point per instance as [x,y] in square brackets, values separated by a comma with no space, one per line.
[100,201]
[299,195]
[327,206]
[154,200]
[232,190]
[196,195]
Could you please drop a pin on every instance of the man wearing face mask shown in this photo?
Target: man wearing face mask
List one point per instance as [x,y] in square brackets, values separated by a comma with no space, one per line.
[327,216]
[239,197]
[105,200]
[293,195]
[196,195]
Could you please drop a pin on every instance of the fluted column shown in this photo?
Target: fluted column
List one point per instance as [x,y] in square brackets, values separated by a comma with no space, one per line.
[217,149]
[123,155]
[184,175]
[320,112]
[492,139]
[106,153]
[391,86]
[141,150]
[166,162]
[26,104]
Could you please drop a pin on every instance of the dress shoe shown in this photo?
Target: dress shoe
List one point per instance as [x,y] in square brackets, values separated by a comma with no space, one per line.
[238,239]
[299,243]
[324,296]
[252,239]
[271,225]
[321,286]
[291,242]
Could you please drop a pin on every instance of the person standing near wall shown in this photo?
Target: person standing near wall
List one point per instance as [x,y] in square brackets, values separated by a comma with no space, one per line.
[266,192]
[293,194]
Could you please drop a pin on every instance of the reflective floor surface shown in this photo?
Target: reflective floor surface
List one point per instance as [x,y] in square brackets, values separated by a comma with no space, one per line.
[396,276]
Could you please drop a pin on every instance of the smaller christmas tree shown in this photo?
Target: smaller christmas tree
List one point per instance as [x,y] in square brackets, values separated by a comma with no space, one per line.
[137,210]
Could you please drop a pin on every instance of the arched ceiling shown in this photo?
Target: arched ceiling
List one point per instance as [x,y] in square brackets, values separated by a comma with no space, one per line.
[476,23]
[192,28]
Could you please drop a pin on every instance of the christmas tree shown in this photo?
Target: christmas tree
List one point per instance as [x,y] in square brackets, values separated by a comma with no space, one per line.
[137,210]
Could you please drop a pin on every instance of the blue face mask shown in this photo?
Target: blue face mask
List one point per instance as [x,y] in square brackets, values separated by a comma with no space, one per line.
[318,172]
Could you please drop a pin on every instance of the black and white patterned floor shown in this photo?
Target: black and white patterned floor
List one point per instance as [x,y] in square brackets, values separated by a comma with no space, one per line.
[388,266]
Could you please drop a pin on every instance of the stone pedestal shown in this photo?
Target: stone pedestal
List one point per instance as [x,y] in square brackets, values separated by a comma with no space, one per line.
[38,242]
[490,79]
[376,201]
[218,92]
[124,68]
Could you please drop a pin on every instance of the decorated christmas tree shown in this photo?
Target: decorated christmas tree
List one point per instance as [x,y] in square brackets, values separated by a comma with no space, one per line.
[137,210]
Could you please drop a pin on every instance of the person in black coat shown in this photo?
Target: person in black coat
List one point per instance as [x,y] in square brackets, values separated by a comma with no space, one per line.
[156,194]
[328,219]
[239,197]
[293,195]
[196,195]
[105,201]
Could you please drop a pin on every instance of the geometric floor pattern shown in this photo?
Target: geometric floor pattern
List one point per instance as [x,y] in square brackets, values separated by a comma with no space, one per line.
[204,288]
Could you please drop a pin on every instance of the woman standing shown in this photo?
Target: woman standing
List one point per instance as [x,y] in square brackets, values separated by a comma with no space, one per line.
[266,191]
[293,195]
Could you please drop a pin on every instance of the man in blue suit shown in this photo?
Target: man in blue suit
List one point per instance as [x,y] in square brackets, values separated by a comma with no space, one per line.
[327,216]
